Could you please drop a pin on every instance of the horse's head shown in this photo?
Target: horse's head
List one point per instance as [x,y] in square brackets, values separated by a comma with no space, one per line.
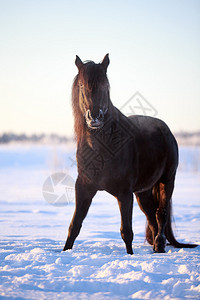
[93,89]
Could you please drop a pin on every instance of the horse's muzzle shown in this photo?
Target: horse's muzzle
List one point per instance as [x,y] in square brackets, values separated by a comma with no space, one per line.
[94,122]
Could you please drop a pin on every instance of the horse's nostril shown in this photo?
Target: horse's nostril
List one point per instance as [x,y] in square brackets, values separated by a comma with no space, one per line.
[93,117]
[101,114]
[88,114]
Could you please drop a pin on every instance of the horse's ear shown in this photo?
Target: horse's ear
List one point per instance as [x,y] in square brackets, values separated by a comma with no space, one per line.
[105,62]
[78,62]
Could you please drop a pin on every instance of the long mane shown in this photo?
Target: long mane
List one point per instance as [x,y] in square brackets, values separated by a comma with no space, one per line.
[79,122]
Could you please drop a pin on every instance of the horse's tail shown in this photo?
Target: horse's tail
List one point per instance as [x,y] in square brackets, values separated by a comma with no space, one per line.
[170,235]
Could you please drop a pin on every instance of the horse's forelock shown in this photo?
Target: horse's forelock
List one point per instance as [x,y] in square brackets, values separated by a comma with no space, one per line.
[92,75]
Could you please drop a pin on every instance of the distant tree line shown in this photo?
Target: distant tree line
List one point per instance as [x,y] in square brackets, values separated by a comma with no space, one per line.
[183,138]
[6,138]
[188,138]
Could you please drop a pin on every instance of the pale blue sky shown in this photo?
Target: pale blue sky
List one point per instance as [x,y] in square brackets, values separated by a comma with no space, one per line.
[154,48]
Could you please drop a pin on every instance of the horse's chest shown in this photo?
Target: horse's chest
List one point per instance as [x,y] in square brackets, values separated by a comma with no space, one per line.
[96,168]
[106,172]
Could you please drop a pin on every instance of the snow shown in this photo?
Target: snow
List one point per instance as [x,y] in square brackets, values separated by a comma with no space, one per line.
[33,233]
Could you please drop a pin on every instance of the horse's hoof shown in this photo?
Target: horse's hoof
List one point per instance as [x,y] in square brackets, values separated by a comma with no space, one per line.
[159,244]
[67,248]
[129,251]
[159,250]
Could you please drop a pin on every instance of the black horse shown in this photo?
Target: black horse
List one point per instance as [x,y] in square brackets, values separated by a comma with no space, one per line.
[122,156]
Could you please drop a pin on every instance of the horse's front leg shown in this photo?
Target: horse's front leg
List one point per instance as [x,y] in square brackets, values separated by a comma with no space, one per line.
[125,201]
[84,194]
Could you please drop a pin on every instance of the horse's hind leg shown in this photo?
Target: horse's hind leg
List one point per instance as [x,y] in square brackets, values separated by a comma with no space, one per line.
[164,196]
[155,203]
[148,205]
[84,195]
[161,217]
[125,201]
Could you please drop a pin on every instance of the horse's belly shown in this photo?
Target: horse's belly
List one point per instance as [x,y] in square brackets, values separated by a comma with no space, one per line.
[146,183]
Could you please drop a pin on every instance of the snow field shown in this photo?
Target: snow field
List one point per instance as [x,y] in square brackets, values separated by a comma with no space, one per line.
[33,233]
[97,268]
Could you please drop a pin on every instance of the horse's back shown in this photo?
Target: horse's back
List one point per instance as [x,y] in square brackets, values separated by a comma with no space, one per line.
[150,127]
[149,124]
